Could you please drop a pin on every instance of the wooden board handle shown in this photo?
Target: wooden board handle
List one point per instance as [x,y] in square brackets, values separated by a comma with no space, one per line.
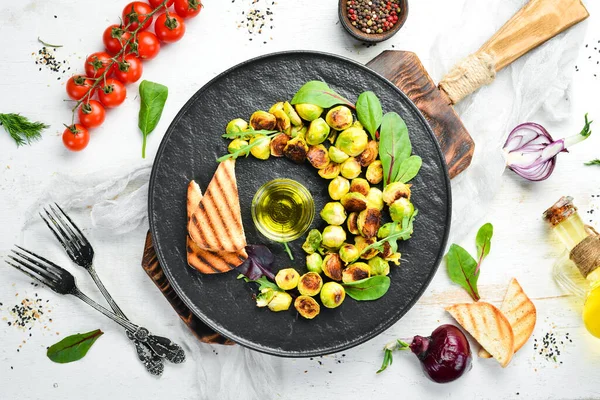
[537,22]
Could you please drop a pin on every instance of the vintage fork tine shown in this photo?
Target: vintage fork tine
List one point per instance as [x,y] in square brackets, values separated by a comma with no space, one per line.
[81,235]
[66,244]
[50,268]
[66,232]
[34,277]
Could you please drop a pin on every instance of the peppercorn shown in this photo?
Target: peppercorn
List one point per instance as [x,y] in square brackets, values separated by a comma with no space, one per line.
[373,16]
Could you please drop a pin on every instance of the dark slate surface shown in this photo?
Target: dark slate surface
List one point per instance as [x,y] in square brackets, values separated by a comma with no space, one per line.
[189,150]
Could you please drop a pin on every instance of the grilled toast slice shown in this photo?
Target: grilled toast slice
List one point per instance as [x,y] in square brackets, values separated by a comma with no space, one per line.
[488,326]
[216,225]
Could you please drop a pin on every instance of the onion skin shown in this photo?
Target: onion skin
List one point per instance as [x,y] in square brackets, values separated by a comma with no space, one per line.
[445,355]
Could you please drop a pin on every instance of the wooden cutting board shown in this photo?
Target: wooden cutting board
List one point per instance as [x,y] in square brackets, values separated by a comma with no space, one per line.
[535,23]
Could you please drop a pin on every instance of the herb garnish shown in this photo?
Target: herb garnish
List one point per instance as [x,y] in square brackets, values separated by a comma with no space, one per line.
[369,112]
[463,269]
[21,129]
[367,289]
[48,44]
[153,97]
[245,150]
[394,146]
[73,348]
[388,358]
[593,162]
[399,231]
[259,263]
[319,94]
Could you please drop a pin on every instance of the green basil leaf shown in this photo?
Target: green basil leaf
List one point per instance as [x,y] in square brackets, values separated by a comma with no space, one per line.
[394,145]
[319,94]
[369,112]
[484,241]
[73,348]
[409,168]
[462,269]
[371,288]
[153,97]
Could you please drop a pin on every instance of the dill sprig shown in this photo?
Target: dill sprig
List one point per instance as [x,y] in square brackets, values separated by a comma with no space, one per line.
[593,162]
[22,130]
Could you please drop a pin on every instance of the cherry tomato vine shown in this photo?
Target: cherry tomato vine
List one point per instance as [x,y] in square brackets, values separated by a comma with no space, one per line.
[127,45]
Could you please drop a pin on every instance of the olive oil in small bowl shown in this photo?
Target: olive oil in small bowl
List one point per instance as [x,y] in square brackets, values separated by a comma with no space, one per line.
[283,210]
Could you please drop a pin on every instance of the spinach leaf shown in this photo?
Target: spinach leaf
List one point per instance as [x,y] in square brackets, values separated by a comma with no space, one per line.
[152,101]
[318,93]
[369,112]
[462,269]
[483,241]
[73,348]
[368,289]
[409,168]
[394,145]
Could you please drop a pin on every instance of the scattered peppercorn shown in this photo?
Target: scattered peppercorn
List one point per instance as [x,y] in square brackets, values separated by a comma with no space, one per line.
[550,346]
[373,16]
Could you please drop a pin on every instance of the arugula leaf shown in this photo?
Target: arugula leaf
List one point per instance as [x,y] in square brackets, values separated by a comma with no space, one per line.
[244,151]
[259,263]
[483,241]
[153,97]
[395,234]
[394,145]
[22,130]
[368,289]
[73,348]
[409,168]
[369,112]
[593,162]
[319,94]
[462,269]
[248,133]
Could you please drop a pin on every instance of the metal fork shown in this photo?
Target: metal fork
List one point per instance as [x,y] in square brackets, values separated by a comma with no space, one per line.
[62,282]
[80,251]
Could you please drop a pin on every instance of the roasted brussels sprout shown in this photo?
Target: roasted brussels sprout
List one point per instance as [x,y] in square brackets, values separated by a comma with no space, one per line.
[354,202]
[360,185]
[356,272]
[375,172]
[352,141]
[264,297]
[338,187]
[333,237]
[299,131]
[276,107]
[283,122]
[237,144]
[307,307]
[357,124]
[368,222]
[312,242]
[350,168]
[332,266]
[278,143]
[339,118]
[310,284]
[352,223]
[330,171]
[236,126]
[262,150]
[369,154]
[281,301]
[292,114]
[361,244]
[334,213]
[318,156]
[336,155]
[332,136]
[385,230]
[387,250]
[401,208]
[296,150]
[332,295]
[375,198]
[314,262]
[394,191]
[308,112]
[287,279]
[318,130]
[348,253]
[394,257]
[379,266]
[263,120]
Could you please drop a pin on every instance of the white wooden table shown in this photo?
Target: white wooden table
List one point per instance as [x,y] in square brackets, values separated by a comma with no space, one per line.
[522,246]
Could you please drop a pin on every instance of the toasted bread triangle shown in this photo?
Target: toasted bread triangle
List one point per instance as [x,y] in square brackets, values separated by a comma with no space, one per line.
[216,225]
[488,326]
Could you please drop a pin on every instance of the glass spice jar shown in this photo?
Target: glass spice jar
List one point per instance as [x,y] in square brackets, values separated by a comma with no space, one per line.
[582,243]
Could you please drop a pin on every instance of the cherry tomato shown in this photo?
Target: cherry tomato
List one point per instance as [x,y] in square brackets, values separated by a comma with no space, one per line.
[78,86]
[76,137]
[112,94]
[157,3]
[135,13]
[96,64]
[188,8]
[91,114]
[148,45]
[169,28]
[129,70]
[114,38]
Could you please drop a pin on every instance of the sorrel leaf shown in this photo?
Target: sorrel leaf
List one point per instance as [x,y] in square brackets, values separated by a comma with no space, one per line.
[73,348]
[318,93]
[462,270]
[369,112]
[153,97]
[367,289]
[483,241]
[409,168]
[394,145]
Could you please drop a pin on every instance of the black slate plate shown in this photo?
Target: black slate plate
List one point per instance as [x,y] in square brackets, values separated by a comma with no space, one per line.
[189,150]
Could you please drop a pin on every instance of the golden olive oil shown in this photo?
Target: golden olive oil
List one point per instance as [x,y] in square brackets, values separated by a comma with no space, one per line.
[282,210]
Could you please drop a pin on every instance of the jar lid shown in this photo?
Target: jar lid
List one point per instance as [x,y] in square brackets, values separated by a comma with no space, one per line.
[560,211]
